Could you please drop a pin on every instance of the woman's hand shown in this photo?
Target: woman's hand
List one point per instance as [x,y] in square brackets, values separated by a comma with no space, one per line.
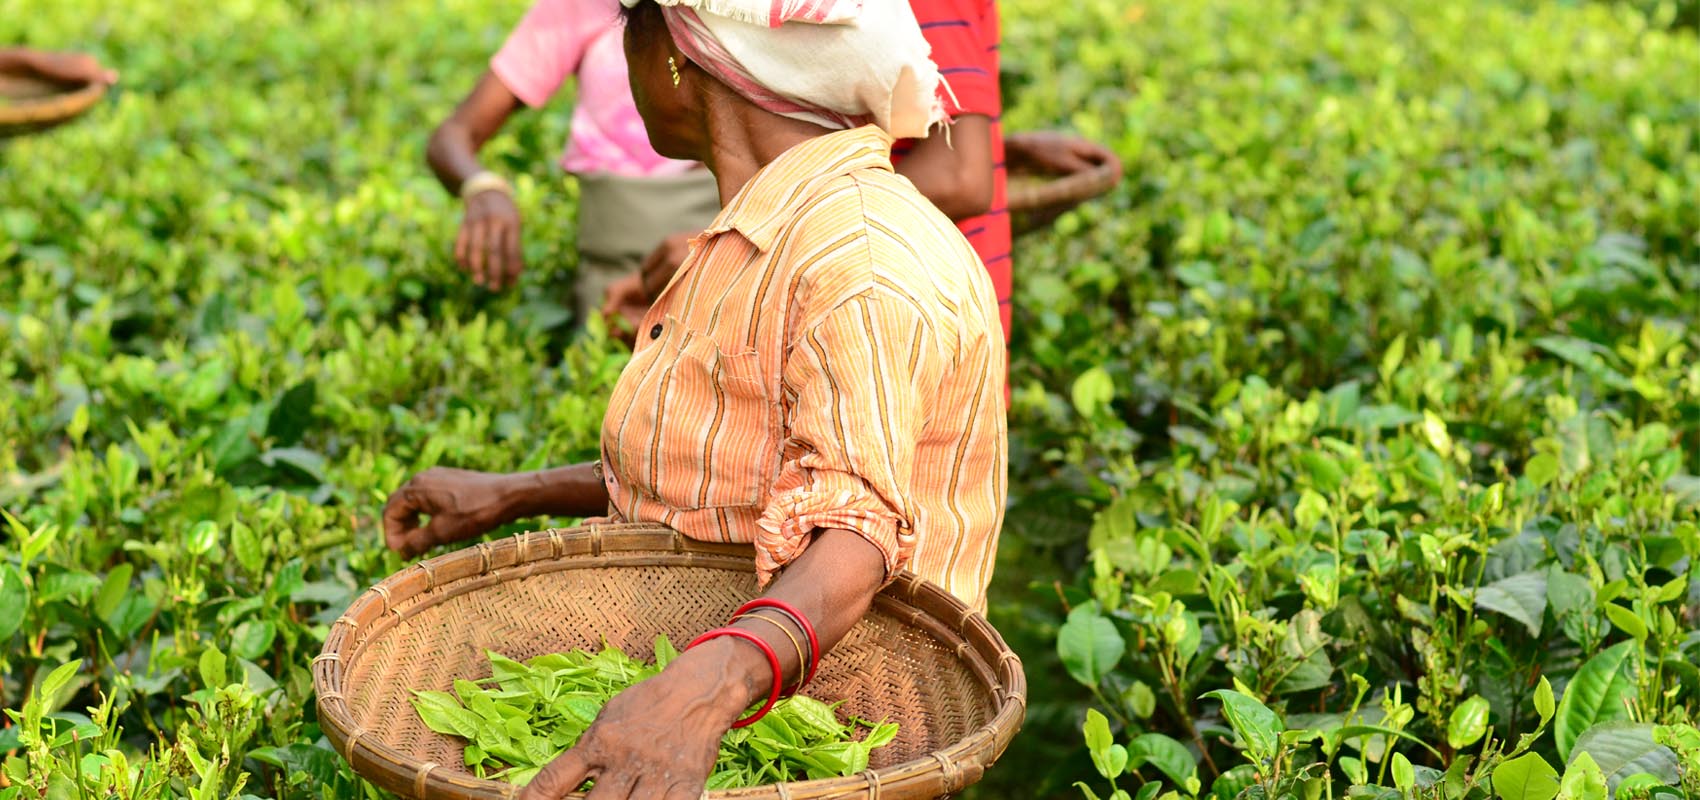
[624,307]
[461,504]
[1055,153]
[488,245]
[663,261]
[659,739]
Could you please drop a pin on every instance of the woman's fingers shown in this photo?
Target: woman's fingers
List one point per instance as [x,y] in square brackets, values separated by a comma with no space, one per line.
[679,792]
[620,784]
[663,261]
[463,246]
[653,275]
[1092,153]
[496,257]
[563,775]
[475,250]
[401,518]
[511,255]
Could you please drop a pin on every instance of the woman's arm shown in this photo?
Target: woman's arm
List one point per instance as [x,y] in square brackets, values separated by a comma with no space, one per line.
[453,149]
[463,504]
[488,246]
[953,167]
[658,740]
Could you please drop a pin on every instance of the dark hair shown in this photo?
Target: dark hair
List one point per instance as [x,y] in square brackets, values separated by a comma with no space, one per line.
[644,21]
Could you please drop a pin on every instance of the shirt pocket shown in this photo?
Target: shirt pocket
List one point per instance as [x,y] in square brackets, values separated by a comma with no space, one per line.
[699,432]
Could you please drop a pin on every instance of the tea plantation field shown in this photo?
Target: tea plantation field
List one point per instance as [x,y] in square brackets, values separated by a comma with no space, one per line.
[1355,437]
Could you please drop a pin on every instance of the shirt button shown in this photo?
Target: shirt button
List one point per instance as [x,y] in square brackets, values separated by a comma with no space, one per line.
[655,332]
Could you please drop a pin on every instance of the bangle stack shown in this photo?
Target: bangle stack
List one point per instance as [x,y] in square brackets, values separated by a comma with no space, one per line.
[807,663]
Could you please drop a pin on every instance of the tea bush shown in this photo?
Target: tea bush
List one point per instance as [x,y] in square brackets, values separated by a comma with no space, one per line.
[1380,377]
[1354,435]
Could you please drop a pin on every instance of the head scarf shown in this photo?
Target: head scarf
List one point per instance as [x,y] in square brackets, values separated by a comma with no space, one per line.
[836,63]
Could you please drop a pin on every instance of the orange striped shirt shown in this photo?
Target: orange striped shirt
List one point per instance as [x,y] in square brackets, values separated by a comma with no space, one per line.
[829,356]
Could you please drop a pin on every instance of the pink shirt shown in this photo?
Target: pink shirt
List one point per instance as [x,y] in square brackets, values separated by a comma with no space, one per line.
[560,38]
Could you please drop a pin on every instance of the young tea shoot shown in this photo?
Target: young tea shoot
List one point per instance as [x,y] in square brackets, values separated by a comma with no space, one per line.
[526,714]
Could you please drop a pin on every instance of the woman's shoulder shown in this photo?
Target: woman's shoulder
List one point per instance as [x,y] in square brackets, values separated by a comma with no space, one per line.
[871,233]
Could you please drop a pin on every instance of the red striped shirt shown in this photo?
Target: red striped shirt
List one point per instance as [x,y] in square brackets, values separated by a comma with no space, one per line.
[964,36]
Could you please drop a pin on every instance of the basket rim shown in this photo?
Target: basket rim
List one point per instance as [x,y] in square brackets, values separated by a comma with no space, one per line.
[51,109]
[911,600]
[1059,192]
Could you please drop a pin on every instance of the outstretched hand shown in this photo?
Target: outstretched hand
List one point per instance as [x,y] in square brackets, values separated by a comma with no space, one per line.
[663,261]
[1055,153]
[488,247]
[461,504]
[624,307]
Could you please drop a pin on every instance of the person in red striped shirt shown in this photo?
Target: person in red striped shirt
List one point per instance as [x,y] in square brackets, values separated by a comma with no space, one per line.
[962,171]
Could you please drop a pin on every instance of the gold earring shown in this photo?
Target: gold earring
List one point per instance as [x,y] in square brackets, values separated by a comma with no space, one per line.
[673,66]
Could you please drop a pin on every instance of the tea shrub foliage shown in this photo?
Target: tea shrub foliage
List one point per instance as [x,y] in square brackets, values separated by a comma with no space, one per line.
[1355,436]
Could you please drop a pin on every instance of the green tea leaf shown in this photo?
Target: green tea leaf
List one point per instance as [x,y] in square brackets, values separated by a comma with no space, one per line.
[665,652]
[201,538]
[1404,775]
[1522,597]
[1089,645]
[1257,726]
[1170,757]
[212,670]
[1622,749]
[1544,700]
[1542,469]
[1597,694]
[1098,742]
[1139,700]
[1569,593]
[442,713]
[1582,780]
[1229,785]
[813,716]
[1626,621]
[1093,392]
[14,601]
[252,639]
[245,545]
[112,590]
[293,414]
[56,682]
[1469,723]
[1527,777]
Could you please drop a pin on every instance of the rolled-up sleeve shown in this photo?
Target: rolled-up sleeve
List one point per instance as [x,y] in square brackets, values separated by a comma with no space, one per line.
[857,413]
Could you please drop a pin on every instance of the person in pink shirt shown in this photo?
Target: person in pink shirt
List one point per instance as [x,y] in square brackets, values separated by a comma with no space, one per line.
[630,198]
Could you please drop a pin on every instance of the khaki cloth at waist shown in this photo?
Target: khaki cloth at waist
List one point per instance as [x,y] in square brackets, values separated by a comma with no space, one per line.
[621,218]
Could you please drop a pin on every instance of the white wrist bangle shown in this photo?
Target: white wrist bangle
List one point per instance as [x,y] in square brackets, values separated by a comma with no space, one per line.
[485,181]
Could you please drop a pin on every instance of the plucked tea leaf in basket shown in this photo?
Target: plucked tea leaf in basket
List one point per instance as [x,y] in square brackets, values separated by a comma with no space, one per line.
[527,713]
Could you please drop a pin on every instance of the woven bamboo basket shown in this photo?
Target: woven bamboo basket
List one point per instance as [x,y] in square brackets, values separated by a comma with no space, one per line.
[1037,196]
[30,102]
[920,658]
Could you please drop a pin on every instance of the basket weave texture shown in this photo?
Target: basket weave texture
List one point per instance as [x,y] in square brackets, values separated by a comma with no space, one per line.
[1038,197]
[920,658]
[30,102]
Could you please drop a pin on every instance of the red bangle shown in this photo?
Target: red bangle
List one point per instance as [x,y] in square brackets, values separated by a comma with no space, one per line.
[802,622]
[772,661]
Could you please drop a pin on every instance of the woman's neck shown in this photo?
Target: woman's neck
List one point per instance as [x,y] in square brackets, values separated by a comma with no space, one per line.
[743,138]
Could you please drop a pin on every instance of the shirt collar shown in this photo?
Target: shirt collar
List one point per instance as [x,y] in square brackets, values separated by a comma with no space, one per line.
[771,197]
